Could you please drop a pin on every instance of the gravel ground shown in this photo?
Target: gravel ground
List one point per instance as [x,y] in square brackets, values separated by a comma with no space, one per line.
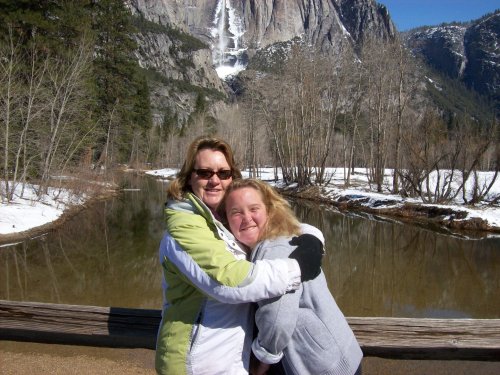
[17,358]
[37,359]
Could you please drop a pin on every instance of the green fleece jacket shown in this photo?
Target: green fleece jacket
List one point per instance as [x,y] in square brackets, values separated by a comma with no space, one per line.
[206,276]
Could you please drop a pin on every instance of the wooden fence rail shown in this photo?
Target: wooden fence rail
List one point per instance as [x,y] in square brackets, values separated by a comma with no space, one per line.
[403,338]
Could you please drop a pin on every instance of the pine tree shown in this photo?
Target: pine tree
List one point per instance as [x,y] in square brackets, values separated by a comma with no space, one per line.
[119,98]
[56,25]
[121,88]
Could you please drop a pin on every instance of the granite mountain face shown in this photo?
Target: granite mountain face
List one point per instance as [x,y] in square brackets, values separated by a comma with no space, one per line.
[205,42]
[468,52]
[234,31]
[264,22]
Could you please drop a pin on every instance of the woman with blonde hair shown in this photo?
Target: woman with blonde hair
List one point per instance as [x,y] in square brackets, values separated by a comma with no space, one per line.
[305,330]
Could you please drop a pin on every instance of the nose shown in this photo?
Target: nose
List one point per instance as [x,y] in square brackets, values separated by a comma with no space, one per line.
[247,217]
[215,180]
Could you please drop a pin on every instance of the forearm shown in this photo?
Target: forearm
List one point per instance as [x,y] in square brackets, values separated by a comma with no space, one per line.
[265,279]
[276,320]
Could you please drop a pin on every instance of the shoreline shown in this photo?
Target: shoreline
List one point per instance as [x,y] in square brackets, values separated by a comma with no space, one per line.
[450,220]
[446,219]
[42,230]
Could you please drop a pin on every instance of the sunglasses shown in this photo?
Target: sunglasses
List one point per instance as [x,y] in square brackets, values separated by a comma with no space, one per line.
[207,174]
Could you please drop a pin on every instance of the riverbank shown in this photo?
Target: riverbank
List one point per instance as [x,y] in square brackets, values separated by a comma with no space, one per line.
[28,217]
[480,221]
[477,222]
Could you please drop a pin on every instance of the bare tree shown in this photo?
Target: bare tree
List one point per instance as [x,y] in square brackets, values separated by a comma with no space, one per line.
[381,83]
[22,102]
[45,122]
[66,99]
[406,86]
[423,146]
[474,144]
[29,112]
[268,92]
[337,98]
[301,109]
[9,65]
[352,118]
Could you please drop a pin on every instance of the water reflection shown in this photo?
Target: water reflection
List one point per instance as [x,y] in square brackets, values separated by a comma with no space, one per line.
[107,256]
[377,268]
[104,256]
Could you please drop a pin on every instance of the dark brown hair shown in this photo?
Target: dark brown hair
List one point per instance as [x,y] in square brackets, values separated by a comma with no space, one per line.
[178,187]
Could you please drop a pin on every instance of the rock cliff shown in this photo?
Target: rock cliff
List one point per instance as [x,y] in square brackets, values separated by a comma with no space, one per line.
[233,31]
[469,52]
[269,21]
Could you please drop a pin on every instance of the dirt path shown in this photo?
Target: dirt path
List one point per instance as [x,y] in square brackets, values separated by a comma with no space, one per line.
[39,359]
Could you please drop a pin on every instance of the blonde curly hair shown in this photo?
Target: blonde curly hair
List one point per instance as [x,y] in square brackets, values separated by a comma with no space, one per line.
[281,220]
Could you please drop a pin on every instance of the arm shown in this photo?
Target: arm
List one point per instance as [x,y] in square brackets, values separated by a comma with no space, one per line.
[276,320]
[217,273]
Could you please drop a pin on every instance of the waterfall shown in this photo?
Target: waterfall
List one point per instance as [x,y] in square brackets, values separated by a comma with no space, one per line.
[228,55]
[221,25]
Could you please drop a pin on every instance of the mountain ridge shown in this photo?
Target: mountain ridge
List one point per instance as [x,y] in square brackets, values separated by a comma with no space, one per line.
[257,29]
[326,24]
[468,52]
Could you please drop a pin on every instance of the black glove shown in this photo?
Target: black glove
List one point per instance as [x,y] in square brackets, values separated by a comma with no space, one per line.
[308,254]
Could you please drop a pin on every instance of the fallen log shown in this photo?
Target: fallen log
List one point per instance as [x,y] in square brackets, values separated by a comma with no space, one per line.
[397,338]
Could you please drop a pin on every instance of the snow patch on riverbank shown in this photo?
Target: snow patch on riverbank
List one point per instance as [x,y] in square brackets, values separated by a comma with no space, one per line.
[27,212]
[360,189]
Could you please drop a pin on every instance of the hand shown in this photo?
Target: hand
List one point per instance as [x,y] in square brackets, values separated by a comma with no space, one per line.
[260,368]
[308,254]
[257,367]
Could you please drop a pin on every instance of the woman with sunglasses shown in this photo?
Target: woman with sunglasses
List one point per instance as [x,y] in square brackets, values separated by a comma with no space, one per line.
[208,283]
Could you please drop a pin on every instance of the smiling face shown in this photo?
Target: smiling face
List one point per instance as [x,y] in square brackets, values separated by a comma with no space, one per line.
[212,190]
[246,215]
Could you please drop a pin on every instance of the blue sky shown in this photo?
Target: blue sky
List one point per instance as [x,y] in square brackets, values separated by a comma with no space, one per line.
[407,14]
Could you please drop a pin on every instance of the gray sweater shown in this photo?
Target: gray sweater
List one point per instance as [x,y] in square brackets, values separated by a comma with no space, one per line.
[306,327]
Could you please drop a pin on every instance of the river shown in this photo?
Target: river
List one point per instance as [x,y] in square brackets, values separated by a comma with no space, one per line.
[107,256]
